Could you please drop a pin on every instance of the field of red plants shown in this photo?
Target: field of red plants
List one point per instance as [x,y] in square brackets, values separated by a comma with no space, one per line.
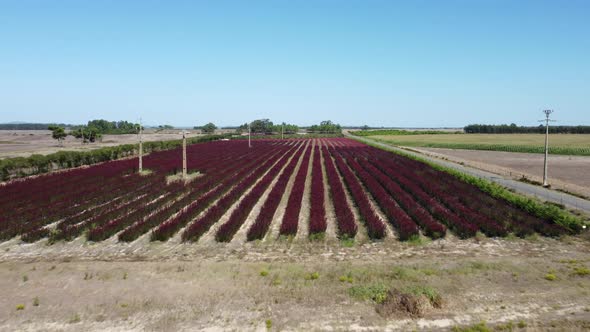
[254,190]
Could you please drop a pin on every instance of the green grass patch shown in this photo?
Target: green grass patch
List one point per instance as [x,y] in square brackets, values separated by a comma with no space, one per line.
[479,327]
[317,236]
[563,144]
[347,242]
[550,276]
[417,240]
[312,276]
[375,292]
[581,271]
[430,293]
[398,132]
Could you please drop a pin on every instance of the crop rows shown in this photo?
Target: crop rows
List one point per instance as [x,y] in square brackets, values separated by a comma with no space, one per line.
[254,190]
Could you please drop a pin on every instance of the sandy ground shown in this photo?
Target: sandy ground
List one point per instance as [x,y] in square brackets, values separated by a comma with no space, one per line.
[570,173]
[180,287]
[23,143]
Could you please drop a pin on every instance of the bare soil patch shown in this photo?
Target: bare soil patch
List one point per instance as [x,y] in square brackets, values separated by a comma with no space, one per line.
[181,287]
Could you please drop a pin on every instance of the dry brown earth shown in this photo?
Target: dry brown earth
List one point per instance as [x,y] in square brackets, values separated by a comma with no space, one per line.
[182,287]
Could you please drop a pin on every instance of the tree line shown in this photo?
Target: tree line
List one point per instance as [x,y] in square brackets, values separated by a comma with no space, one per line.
[514,129]
[31,126]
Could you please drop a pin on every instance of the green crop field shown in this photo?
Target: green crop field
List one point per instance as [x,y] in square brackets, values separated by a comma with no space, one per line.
[565,144]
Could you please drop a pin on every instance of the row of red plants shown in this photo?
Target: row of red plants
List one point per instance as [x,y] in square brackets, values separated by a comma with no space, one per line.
[114,194]
[260,227]
[317,213]
[291,217]
[193,192]
[347,227]
[430,226]
[405,226]
[483,212]
[221,185]
[458,224]
[203,223]
[227,231]
[374,224]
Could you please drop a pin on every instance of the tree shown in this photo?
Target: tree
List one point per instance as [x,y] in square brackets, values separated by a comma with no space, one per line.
[288,129]
[87,134]
[208,128]
[58,133]
[263,126]
[365,127]
[326,127]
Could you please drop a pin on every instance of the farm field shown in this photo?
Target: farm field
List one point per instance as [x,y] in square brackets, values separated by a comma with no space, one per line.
[308,188]
[297,234]
[566,144]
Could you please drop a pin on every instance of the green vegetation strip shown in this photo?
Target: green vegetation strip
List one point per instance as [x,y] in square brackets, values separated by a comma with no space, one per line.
[397,132]
[531,205]
[561,150]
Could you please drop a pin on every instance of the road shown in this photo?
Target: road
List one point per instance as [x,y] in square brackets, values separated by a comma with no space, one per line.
[542,193]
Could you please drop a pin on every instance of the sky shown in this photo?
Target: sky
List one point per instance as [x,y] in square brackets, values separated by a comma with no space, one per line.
[370,62]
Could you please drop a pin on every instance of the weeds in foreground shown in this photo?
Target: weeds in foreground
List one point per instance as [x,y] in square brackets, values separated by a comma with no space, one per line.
[479,327]
[347,278]
[74,319]
[312,276]
[375,292]
[430,293]
[317,236]
[551,276]
[416,240]
[581,271]
[347,242]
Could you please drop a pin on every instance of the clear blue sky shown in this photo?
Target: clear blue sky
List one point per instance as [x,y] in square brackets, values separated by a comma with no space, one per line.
[390,63]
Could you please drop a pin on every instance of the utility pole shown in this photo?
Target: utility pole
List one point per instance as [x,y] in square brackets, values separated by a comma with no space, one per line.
[249,133]
[140,148]
[546,120]
[282,130]
[184,153]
